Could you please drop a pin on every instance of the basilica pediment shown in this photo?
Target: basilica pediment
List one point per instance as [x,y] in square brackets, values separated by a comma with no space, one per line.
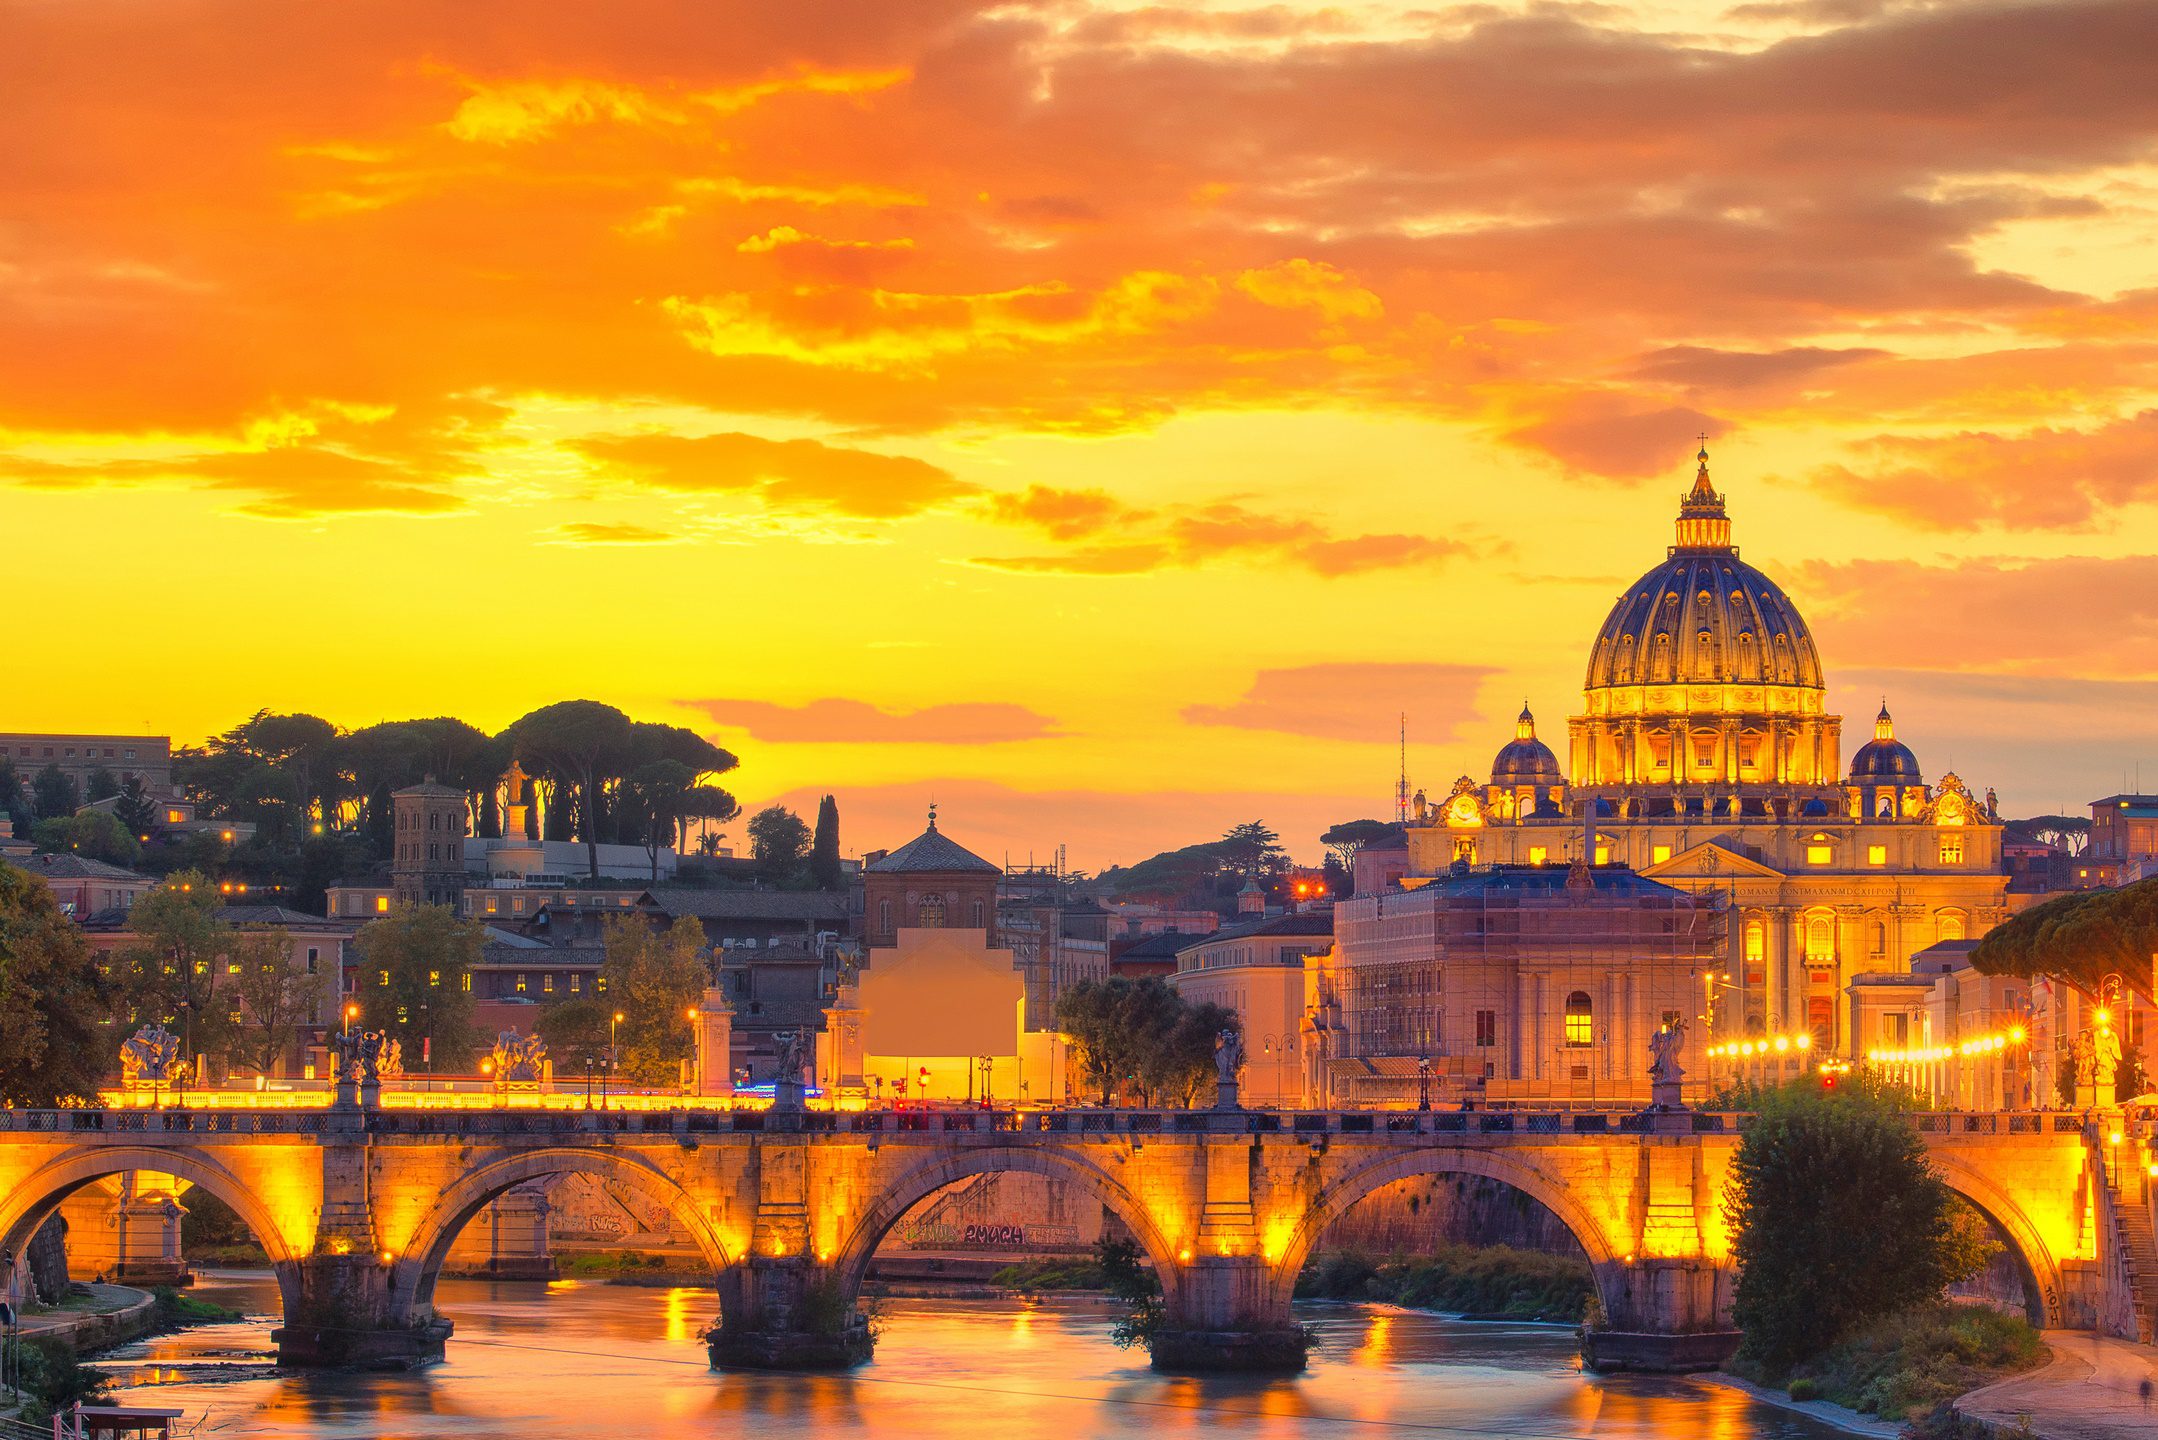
[1710,860]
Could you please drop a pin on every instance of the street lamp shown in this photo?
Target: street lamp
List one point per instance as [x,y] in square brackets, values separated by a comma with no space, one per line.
[614,1056]
[187,1044]
[1423,1082]
[987,1065]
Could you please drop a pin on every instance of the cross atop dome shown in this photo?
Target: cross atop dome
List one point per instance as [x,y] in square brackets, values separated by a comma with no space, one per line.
[1702,523]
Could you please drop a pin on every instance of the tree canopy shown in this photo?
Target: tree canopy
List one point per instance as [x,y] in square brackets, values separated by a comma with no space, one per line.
[1141,1035]
[654,977]
[779,843]
[2079,938]
[52,1049]
[411,982]
[1810,1161]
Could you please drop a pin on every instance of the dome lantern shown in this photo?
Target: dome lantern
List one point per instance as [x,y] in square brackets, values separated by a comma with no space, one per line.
[1702,523]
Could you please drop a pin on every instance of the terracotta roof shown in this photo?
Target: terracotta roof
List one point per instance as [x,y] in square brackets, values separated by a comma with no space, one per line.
[69,866]
[933,853]
[675,901]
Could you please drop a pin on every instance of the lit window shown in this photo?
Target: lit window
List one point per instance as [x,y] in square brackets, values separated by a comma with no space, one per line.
[1876,854]
[1951,849]
[493,904]
[434,979]
[382,979]
[599,983]
[520,984]
[1657,854]
[1820,854]
[174,817]
[547,984]
[1580,1021]
[1820,941]
[464,982]
[1603,854]
[1538,854]
[232,967]
[382,904]
[576,983]
[1949,926]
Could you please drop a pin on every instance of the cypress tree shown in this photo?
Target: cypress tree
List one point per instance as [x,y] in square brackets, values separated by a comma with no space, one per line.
[824,872]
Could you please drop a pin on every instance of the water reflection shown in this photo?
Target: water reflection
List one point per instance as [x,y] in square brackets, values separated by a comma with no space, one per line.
[570,1359]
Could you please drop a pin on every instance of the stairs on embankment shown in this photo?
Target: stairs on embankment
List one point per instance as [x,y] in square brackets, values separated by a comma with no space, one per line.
[2135,1205]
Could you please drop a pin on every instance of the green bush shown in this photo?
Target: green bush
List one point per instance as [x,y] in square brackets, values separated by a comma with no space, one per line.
[1052,1274]
[1474,1279]
[1906,1364]
[53,1379]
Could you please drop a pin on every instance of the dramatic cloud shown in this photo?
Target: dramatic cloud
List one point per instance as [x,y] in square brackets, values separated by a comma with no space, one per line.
[2045,618]
[1353,701]
[2044,478]
[1227,301]
[851,722]
[784,474]
[1111,538]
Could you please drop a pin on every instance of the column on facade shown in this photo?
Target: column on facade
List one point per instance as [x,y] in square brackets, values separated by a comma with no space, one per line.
[1778,926]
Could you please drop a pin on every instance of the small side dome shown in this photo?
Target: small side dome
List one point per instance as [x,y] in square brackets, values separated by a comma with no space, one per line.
[1885,760]
[1525,760]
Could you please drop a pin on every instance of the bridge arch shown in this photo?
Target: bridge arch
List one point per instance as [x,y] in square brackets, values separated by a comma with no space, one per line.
[910,1188]
[414,1273]
[2041,1272]
[45,1189]
[1335,1199]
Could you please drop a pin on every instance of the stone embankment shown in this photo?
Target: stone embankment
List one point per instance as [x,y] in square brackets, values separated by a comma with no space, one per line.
[119,1314]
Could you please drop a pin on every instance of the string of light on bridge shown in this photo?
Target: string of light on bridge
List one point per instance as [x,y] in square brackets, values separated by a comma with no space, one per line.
[1767,1047]
[1975,1046]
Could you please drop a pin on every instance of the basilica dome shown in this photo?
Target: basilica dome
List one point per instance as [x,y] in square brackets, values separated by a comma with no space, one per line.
[1704,617]
[1884,759]
[1526,760]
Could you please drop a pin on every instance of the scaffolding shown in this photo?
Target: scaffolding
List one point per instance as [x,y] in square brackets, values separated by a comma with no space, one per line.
[1519,986]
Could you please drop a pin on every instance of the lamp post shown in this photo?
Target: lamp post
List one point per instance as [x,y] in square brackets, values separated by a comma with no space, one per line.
[987,1065]
[1423,1082]
[187,1044]
[614,1056]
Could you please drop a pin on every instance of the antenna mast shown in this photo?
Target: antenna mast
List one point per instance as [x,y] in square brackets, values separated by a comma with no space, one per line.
[1401,786]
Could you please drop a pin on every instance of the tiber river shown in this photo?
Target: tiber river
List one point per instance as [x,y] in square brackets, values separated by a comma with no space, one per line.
[535,1361]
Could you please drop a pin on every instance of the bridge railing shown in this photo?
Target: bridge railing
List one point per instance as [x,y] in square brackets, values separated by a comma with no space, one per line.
[1105,1123]
[1998,1122]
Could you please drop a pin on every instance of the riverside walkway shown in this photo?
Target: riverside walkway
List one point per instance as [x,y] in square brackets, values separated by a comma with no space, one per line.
[2095,1388]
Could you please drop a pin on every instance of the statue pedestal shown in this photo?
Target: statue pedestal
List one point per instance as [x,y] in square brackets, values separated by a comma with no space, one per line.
[1664,1095]
[787,1096]
[1225,1095]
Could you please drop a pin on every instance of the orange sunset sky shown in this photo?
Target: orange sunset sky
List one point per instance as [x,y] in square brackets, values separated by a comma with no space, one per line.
[1104,418]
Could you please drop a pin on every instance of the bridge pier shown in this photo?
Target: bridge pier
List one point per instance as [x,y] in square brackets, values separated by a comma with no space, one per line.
[343,1316]
[786,1313]
[1228,1313]
[1665,1316]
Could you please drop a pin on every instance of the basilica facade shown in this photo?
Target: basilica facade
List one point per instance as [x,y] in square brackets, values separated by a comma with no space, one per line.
[1704,756]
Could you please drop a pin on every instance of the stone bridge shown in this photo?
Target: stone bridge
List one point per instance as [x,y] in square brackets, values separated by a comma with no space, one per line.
[358,1208]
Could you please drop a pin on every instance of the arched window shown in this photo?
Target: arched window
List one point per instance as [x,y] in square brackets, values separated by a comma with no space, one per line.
[1820,940]
[884,915]
[929,915]
[1949,925]
[1756,942]
[1580,1019]
[977,921]
[1880,937]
